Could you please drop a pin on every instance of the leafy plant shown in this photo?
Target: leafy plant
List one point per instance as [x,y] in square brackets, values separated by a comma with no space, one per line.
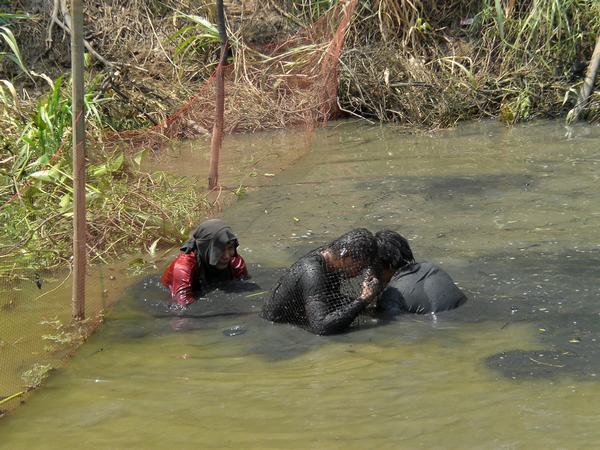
[197,37]
[311,10]
[36,375]
[69,335]
[15,54]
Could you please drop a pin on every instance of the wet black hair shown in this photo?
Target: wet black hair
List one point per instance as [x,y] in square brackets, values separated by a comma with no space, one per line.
[393,249]
[359,244]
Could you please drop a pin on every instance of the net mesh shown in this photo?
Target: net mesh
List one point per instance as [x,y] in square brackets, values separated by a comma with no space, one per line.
[297,77]
[36,331]
[326,290]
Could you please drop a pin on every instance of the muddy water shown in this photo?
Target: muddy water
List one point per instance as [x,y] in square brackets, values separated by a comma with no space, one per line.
[512,214]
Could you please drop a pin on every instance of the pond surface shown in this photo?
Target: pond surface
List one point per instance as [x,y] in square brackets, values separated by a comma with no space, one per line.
[513,214]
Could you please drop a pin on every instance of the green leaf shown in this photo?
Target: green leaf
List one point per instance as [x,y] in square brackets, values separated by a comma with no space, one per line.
[500,18]
[91,196]
[66,202]
[51,175]
[136,261]
[116,163]
[11,89]
[41,161]
[152,248]
[43,175]
[112,165]
[139,156]
[10,40]
[179,32]
[205,24]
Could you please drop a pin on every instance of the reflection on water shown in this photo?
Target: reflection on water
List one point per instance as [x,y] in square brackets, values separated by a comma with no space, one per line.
[511,213]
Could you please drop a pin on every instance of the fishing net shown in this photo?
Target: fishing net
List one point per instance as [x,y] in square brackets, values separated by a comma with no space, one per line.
[289,83]
[326,290]
[36,331]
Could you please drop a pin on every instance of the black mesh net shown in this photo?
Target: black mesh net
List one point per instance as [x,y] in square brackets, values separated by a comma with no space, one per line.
[326,290]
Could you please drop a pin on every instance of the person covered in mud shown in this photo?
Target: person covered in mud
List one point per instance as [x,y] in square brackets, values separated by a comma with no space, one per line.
[417,287]
[210,255]
[325,290]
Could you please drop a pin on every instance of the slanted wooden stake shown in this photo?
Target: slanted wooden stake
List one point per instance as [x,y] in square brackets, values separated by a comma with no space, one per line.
[588,85]
[217,134]
[79,225]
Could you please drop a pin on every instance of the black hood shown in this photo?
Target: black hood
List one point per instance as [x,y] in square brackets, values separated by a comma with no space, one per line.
[209,241]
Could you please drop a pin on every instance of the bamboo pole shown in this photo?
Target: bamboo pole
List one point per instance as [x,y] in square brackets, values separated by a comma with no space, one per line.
[217,134]
[78,118]
[588,85]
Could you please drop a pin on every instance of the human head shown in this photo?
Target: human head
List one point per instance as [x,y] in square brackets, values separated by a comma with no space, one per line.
[229,251]
[393,252]
[355,250]
[214,243]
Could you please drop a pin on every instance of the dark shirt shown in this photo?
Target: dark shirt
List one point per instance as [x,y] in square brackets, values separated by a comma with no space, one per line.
[420,288]
[311,296]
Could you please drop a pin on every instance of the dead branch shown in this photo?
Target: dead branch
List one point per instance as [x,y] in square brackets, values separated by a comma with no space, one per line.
[66,26]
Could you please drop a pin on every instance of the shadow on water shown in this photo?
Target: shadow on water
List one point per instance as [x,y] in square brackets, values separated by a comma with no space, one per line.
[146,308]
[443,188]
[231,309]
[538,289]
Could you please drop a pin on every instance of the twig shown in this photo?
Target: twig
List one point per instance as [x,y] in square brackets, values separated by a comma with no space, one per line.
[7,399]
[351,112]
[286,14]
[67,27]
[59,286]
[546,364]
[158,39]
[588,85]
[127,99]
[53,20]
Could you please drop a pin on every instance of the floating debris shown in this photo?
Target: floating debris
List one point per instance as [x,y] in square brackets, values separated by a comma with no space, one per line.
[235,331]
[256,294]
[560,366]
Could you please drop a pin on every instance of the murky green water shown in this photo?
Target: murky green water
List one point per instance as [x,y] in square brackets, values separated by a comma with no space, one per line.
[512,214]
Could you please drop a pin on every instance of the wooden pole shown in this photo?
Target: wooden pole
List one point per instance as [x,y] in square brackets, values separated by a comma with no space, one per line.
[78,118]
[588,85]
[217,134]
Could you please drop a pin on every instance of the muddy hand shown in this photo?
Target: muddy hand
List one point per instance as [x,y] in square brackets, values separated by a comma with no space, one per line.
[370,287]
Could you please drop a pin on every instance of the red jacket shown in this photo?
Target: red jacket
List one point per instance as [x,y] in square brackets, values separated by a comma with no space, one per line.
[182,277]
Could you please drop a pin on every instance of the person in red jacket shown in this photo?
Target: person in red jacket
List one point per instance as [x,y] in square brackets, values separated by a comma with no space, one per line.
[209,255]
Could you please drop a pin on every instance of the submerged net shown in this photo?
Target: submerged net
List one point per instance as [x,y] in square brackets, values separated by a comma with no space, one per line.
[326,290]
[291,83]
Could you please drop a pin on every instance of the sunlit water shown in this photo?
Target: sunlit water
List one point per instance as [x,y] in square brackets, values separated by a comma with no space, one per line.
[511,213]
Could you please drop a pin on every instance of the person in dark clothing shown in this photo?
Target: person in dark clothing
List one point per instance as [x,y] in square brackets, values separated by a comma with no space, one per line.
[417,287]
[325,290]
[209,255]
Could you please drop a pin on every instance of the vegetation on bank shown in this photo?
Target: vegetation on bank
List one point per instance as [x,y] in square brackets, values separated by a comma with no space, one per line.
[127,208]
[433,64]
[422,64]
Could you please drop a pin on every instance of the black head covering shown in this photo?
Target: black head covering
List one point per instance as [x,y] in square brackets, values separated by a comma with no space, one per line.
[209,241]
